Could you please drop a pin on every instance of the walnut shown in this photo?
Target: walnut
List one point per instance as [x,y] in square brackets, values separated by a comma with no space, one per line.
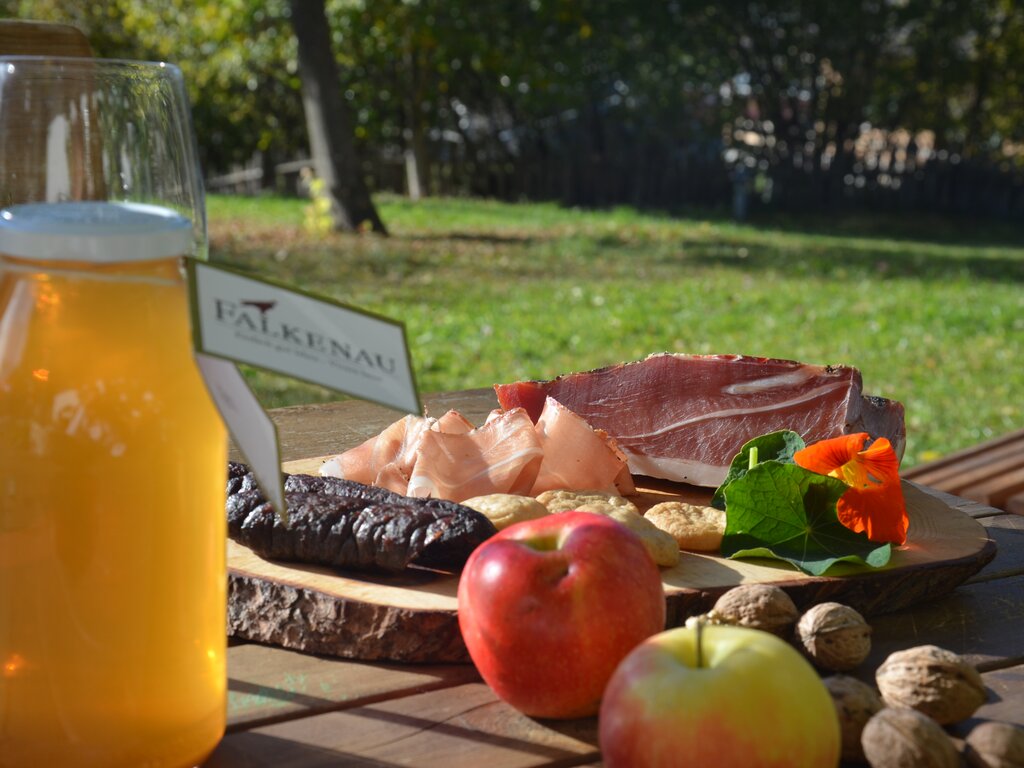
[855,702]
[932,680]
[904,738]
[760,606]
[835,636]
[995,745]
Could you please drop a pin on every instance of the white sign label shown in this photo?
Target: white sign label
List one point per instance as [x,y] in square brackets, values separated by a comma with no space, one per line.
[252,321]
[254,432]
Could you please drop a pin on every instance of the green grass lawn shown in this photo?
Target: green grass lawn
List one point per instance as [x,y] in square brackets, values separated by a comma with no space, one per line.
[931,312]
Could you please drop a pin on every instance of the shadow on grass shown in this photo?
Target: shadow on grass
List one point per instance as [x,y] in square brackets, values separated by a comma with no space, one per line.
[482,238]
[873,246]
[829,261]
[747,246]
[930,229]
[924,229]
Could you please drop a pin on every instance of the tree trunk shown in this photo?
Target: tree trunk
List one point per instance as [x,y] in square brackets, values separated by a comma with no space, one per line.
[329,121]
[417,160]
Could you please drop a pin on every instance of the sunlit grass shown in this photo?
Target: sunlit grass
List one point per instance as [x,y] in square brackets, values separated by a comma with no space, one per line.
[932,313]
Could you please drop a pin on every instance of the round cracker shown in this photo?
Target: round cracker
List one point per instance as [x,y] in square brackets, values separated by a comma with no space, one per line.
[692,526]
[505,509]
[585,501]
[661,546]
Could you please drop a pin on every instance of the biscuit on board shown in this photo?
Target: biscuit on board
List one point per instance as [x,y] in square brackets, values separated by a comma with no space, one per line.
[661,546]
[586,501]
[692,526]
[505,509]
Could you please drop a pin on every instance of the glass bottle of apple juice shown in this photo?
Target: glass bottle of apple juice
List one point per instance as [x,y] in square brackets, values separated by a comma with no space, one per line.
[112,482]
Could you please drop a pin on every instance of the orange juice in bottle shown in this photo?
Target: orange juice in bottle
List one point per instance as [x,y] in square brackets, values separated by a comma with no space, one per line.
[112,482]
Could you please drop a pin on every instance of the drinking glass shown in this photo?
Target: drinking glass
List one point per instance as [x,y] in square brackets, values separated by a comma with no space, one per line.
[112,455]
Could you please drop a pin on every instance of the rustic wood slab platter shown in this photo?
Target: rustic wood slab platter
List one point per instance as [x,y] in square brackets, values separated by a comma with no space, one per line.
[413,618]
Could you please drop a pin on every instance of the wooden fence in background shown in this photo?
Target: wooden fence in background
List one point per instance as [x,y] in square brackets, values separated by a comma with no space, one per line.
[606,163]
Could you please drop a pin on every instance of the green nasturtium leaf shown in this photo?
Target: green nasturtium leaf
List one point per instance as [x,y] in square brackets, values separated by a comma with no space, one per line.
[787,512]
[775,446]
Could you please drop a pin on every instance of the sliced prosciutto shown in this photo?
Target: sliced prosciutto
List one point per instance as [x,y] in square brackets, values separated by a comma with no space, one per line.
[502,456]
[577,456]
[449,458]
[683,417]
[387,460]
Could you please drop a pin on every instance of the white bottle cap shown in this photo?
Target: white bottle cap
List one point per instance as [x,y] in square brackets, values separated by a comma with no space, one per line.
[99,232]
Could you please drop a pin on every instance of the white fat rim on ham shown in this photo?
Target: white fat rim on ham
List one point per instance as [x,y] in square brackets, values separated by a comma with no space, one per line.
[726,413]
[695,472]
[770,382]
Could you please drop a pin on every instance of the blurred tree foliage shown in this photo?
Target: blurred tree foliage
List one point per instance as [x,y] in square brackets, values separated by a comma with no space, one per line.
[600,101]
[238,58]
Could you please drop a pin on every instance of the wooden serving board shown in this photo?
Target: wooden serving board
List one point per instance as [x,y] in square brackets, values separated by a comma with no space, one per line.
[412,617]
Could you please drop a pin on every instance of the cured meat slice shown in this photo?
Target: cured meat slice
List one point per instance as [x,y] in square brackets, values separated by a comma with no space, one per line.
[383,456]
[387,460]
[340,524]
[683,417]
[449,458]
[445,457]
[578,456]
[502,456]
[454,423]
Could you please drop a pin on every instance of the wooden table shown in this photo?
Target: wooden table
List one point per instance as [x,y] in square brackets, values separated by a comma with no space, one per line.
[291,709]
[991,472]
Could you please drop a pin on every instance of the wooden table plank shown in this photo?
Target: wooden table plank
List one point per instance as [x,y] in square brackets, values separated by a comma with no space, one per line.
[997,490]
[1005,700]
[1015,504]
[268,684]
[963,467]
[1008,533]
[991,472]
[982,620]
[449,728]
[985,469]
[453,728]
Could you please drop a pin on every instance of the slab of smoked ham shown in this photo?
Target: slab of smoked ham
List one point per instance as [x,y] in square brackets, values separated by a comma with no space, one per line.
[684,417]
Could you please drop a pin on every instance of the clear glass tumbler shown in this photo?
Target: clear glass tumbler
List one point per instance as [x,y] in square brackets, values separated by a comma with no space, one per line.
[112,455]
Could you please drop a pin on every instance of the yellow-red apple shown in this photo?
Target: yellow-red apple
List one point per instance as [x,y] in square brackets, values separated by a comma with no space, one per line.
[749,701]
[549,607]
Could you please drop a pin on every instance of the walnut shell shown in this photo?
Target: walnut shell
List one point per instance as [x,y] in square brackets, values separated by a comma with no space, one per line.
[995,745]
[760,606]
[835,636]
[932,680]
[904,738]
[856,702]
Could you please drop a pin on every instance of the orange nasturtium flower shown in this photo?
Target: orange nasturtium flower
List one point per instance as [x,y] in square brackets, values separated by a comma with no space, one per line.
[874,504]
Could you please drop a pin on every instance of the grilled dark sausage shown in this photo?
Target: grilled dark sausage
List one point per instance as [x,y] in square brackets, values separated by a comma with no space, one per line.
[344,524]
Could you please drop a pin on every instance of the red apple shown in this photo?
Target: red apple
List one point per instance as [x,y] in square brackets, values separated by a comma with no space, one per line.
[750,701]
[549,607]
